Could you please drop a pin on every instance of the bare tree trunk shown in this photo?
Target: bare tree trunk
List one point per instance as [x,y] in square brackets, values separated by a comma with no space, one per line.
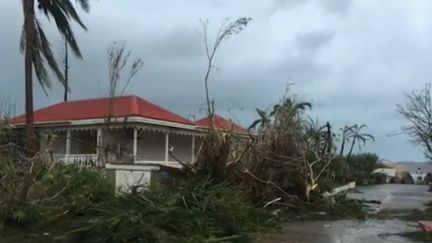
[343,144]
[28,10]
[352,148]
[308,191]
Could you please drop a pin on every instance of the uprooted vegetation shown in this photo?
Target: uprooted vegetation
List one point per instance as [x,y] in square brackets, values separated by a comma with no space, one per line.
[240,185]
[197,210]
[286,163]
[71,204]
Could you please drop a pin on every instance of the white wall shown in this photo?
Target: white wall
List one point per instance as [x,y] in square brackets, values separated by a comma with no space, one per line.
[59,143]
[126,179]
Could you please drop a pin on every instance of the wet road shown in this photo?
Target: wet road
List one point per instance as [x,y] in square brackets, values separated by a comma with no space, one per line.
[392,197]
[395,196]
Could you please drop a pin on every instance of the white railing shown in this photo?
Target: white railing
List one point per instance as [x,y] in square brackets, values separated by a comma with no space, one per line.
[81,160]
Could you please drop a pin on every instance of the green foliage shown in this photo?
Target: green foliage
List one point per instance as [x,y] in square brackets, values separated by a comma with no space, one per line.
[64,14]
[23,214]
[289,155]
[77,189]
[195,210]
[58,192]
[339,171]
[361,165]
[357,168]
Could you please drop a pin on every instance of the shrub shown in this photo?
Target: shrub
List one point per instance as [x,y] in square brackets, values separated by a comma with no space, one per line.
[57,193]
[360,166]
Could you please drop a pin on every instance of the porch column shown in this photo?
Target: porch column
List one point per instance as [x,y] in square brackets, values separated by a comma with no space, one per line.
[193,149]
[166,147]
[99,142]
[68,145]
[135,143]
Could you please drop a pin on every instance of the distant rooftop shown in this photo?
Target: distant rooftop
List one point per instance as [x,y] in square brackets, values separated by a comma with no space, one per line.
[222,124]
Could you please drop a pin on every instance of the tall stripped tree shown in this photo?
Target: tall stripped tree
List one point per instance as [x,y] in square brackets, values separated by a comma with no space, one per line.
[226,30]
[118,59]
[38,56]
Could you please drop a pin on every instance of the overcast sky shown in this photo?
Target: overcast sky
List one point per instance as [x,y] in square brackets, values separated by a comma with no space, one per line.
[353,59]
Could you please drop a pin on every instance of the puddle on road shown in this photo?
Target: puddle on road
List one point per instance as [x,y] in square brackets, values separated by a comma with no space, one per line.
[343,231]
[392,197]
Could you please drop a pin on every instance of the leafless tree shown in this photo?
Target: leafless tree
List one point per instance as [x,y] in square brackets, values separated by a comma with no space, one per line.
[417,111]
[226,30]
[118,59]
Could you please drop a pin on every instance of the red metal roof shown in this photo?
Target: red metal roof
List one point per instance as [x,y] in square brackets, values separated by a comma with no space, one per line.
[124,106]
[221,123]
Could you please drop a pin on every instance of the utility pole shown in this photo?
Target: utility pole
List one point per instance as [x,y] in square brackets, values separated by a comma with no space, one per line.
[66,71]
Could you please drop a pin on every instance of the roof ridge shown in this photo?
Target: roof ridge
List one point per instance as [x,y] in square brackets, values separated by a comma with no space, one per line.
[162,108]
[88,99]
[129,105]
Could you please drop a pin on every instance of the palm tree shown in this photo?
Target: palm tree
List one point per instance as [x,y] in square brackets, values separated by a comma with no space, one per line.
[346,134]
[287,105]
[37,49]
[356,135]
[297,106]
[314,134]
[320,137]
[264,118]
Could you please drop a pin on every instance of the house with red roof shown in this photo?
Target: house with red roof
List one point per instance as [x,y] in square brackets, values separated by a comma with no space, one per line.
[223,124]
[120,130]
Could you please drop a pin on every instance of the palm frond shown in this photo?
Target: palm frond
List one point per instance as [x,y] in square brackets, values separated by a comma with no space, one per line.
[261,113]
[62,12]
[303,106]
[368,136]
[45,48]
[254,124]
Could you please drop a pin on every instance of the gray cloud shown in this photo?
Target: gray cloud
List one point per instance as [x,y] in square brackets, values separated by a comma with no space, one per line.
[354,71]
[331,6]
[313,41]
[337,6]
